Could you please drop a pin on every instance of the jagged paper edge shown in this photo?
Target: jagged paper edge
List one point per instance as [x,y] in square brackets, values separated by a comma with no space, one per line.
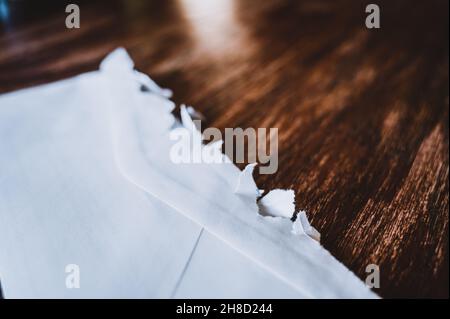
[241,181]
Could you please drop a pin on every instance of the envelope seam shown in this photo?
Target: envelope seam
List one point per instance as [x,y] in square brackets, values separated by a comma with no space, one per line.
[180,279]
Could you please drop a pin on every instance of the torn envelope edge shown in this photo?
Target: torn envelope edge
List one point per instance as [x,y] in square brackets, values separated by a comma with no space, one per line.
[276,243]
[276,203]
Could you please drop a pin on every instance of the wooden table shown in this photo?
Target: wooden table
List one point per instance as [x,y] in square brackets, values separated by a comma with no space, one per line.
[362,114]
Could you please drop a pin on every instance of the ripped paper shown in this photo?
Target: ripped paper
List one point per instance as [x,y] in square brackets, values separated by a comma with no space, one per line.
[86,179]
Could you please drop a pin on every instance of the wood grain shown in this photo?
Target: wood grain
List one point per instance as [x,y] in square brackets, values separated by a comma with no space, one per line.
[362,114]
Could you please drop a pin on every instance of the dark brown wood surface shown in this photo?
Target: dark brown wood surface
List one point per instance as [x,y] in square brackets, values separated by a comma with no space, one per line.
[362,114]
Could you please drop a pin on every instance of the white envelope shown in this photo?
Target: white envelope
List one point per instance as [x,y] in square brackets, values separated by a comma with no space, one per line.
[86,181]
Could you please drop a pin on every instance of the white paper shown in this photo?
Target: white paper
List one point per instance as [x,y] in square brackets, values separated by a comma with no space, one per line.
[86,179]
[62,201]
